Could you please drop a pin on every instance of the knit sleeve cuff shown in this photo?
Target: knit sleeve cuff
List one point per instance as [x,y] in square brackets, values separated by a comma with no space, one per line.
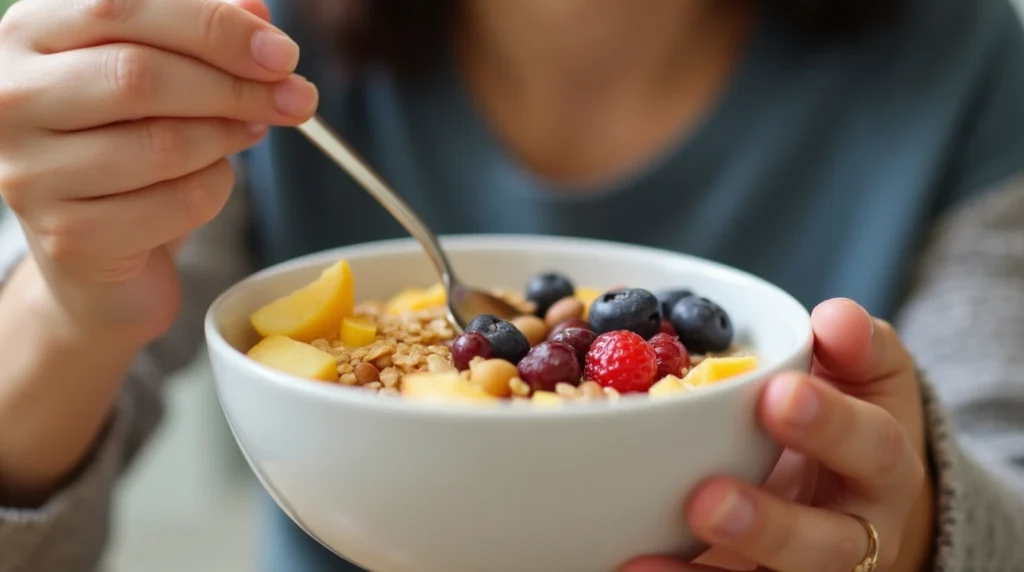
[979,513]
[69,531]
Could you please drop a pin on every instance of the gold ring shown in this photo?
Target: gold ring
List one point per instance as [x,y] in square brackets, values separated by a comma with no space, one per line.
[870,560]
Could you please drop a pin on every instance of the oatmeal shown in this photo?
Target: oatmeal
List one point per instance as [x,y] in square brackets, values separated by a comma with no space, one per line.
[569,343]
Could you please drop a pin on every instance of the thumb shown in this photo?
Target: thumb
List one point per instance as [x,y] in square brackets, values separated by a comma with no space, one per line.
[254,7]
[851,346]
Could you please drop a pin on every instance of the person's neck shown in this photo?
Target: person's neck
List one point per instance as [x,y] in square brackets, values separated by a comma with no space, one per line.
[582,90]
[577,48]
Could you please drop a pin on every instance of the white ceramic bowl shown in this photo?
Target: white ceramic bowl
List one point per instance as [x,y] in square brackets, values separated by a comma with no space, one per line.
[396,486]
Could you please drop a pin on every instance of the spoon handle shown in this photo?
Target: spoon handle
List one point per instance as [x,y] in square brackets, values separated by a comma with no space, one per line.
[328,141]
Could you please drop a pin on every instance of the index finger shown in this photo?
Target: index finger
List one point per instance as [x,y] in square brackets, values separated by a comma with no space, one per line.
[219,33]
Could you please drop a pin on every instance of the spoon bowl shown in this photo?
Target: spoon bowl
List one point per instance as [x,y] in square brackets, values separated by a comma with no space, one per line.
[464,302]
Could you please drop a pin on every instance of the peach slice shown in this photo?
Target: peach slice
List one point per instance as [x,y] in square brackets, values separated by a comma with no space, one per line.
[413,299]
[714,370]
[296,358]
[358,331]
[668,385]
[586,296]
[448,387]
[546,399]
[311,312]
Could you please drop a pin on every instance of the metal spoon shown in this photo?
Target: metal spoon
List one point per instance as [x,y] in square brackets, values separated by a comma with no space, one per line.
[464,302]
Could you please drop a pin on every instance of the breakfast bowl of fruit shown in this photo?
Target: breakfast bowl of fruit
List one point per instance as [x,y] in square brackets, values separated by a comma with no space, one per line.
[565,439]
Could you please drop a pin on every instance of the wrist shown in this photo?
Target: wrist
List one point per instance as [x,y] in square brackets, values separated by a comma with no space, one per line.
[60,329]
[58,381]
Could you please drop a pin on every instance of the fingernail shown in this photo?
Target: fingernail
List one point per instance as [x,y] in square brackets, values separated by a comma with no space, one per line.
[295,96]
[275,51]
[862,310]
[734,515]
[797,401]
[257,128]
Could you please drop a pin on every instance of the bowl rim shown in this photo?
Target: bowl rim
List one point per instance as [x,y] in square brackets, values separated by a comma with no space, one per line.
[626,403]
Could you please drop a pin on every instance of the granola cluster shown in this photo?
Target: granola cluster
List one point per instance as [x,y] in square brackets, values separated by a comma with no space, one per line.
[411,342]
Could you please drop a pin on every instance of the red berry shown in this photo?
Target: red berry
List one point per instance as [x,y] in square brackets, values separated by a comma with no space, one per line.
[468,346]
[548,364]
[623,361]
[666,328]
[578,339]
[570,323]
[672,356]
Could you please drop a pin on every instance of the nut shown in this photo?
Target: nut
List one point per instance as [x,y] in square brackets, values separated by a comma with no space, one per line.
[438,364]
[492,376]
[519,387]
[562,310]
[566,390]
[591,390]
[389,377]
[535,330]
[366,372]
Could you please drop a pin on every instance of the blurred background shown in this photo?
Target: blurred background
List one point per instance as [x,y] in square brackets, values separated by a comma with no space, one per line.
[189,501]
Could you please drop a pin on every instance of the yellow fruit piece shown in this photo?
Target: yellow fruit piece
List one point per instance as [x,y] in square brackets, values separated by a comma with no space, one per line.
[444,388]
[713,370]
[295,358]
[412,299]
[546,399]
[358,331]
[586,296]
[311,312]
[668,385]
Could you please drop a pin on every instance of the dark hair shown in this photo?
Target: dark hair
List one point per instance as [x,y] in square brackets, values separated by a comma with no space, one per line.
[407,35]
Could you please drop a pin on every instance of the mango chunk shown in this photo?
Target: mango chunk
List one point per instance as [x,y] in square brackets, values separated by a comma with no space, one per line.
[586,296]
[546,399]
[295,358]
[448,387]
[668,385]
[713,370]
[311,312]
[413,299]
[358,331]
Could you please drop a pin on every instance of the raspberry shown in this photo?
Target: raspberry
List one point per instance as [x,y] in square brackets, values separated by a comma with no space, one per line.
[672,356]
[666,328]
[621,360]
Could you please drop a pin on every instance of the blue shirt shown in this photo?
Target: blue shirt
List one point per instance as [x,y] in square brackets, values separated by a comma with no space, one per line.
[819,169]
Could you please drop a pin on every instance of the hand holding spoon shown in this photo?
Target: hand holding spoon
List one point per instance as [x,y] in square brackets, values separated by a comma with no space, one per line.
[464,302]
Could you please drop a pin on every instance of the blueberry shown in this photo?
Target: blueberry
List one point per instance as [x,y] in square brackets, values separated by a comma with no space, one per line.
[633,309]
[668,298]
[702,325]
[546,289]
[482,322]
[507,342]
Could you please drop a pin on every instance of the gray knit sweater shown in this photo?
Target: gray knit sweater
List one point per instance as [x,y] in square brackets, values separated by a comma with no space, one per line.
[963,320]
